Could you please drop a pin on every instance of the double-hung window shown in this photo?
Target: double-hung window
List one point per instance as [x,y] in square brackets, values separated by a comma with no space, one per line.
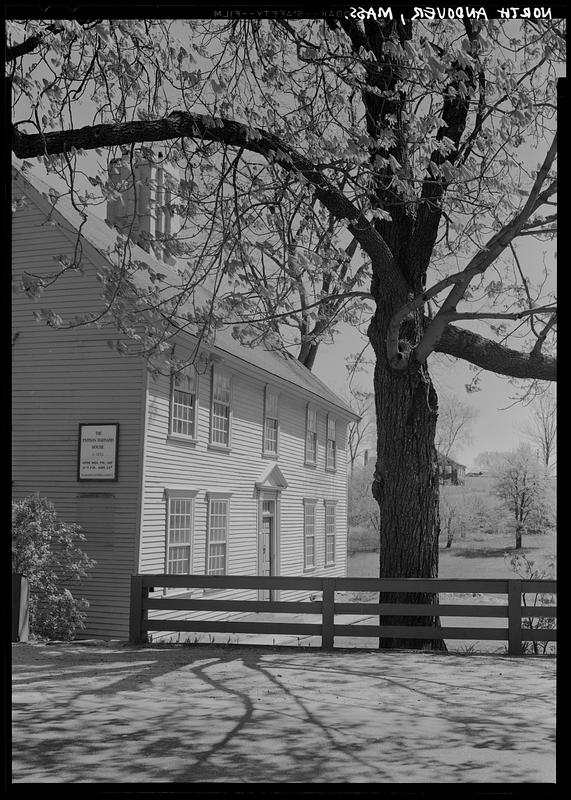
[220,408]
[163,199]
[168,212]
[310,435]
[331,445]
[271,422]
[159,203]
[329,532]
[309,534]
[184,403]
[217,534]
[180,524]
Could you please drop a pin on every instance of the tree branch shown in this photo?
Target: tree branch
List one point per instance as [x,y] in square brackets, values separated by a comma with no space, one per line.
[538,232]
[30,44]
[216,129]
[533,223]
[485,257]
[410,307]
[541,338]
[495,357]
[293,312]
[454,115]
[453,315]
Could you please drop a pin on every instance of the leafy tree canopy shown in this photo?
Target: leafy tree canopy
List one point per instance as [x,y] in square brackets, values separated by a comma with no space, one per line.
[317,155]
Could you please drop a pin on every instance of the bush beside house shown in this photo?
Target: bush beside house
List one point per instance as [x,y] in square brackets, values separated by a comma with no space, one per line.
[47,552]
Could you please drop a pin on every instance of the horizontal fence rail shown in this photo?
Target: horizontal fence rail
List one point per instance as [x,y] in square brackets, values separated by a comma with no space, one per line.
[327,608]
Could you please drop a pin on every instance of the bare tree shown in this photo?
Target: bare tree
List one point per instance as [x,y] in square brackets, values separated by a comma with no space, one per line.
[363,510]
[463,511]
[541,429]
[359,433]
[522,486]
[453,427]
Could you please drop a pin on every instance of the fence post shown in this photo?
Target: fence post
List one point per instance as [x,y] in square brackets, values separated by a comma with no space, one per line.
[514,617]
[328,613]
[20,608]
[138,614]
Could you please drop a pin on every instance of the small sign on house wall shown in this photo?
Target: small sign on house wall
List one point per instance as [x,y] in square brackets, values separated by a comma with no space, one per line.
[98,448]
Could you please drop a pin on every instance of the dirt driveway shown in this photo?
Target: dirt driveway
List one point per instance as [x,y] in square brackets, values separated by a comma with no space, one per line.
[105,712]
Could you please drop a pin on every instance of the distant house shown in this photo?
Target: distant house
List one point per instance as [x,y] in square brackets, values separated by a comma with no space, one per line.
[450,471]
[235,466]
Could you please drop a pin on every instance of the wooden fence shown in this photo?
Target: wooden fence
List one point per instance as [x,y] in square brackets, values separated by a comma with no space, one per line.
[514,610]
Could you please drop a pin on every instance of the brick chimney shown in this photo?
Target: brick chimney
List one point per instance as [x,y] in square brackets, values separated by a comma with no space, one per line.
[143,211]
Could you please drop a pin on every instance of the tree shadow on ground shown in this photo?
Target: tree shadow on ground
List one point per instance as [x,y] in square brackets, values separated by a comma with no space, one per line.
[210,714]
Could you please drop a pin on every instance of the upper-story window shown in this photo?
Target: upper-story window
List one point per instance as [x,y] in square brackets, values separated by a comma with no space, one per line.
[220,408]
[184,403]
[311,435]
[167,212]
[271,422]
[163,200]
[159,201]
[331,444]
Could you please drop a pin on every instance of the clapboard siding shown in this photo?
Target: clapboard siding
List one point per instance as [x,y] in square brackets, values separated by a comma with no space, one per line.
[63,378]
[171,462]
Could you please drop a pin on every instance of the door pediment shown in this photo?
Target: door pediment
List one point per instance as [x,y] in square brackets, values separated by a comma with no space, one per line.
[272,478]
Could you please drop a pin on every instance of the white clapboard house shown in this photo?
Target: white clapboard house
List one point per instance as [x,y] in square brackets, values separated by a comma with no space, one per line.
[238,468]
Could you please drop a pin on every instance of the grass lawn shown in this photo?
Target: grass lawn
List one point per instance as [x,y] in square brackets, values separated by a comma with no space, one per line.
[476,553]
[483,557]
[482,547]
[476,557]
[480,555]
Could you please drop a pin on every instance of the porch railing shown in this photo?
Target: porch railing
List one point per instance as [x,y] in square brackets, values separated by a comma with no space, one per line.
[328,608]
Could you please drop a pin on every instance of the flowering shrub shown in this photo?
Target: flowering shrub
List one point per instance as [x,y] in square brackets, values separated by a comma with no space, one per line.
[47,552]
[59,616]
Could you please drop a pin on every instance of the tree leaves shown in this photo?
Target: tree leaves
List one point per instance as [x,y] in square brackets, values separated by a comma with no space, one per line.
[305,83]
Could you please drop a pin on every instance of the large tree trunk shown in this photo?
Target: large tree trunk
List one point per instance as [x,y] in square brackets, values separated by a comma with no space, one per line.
[406,478]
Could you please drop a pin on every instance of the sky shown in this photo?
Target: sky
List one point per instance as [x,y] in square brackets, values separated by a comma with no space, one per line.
[499,416]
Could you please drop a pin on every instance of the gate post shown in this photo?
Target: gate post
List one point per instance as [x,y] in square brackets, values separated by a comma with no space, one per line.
[328,613]
[138,614]
[514,617]
[20,608]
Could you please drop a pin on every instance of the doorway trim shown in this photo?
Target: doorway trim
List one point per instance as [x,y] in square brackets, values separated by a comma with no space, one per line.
[274,497]
[269,487]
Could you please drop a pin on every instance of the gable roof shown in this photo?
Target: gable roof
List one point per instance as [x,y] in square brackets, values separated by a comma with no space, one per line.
[100,237]
[444,460]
